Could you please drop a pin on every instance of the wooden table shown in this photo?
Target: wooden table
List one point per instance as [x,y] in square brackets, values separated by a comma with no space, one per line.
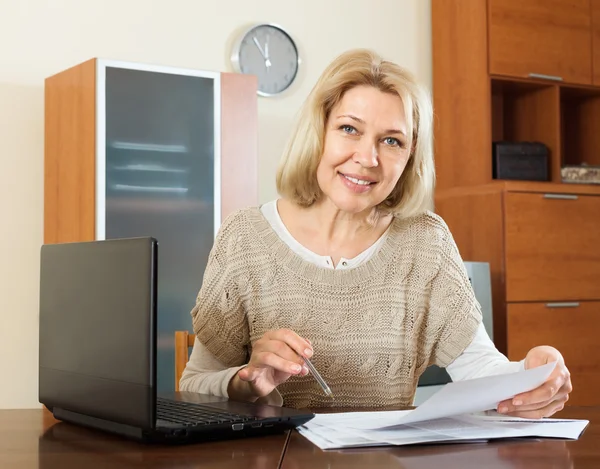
[33,439]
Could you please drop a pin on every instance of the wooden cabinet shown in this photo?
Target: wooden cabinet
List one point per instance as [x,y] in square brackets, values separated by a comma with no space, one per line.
[542,242]
[595,6]
[524,70]
[552,247]
[484,52]
[569,327]
[145,150]
[544,38]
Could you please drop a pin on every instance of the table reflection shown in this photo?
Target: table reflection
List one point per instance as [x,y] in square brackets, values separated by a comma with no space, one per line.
[507,454]
[529,454]
[67,446]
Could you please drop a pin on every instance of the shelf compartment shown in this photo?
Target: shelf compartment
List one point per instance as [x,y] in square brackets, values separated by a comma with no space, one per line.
[580,125]
[524,111]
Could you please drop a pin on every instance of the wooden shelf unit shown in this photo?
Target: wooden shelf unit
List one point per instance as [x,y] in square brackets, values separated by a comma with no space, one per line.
[134,149]
[524,71]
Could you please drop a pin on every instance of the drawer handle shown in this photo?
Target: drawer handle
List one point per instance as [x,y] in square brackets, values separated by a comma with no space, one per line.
[561,196]
[566,304]
[545,77]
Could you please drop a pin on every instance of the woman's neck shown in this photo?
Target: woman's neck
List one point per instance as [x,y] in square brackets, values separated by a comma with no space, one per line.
[326,230]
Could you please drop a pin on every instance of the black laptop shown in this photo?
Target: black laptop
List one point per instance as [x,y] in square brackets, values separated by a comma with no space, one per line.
[97,351]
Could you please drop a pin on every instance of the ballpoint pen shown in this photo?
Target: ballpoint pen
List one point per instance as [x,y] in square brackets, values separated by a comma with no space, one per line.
[318,377]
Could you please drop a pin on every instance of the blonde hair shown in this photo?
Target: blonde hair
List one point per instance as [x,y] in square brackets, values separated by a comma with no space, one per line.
[296,174]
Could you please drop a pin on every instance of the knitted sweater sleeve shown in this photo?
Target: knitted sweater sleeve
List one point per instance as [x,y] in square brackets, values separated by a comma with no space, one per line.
[453,307]
[219,317]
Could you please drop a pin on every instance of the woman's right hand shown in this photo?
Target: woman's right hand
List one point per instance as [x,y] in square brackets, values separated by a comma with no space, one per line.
[275,357]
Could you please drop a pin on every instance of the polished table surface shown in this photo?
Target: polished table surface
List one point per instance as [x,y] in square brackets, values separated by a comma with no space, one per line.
[33,439]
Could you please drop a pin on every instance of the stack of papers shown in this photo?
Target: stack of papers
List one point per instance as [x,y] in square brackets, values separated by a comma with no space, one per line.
[460,412]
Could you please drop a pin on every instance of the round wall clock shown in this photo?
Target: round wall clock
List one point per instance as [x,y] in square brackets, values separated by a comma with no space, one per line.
[270,53]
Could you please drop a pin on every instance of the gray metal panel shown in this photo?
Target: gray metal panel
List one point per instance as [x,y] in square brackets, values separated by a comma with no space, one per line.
[479,275]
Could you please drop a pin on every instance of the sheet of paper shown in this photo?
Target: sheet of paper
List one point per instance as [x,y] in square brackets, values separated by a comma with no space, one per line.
[476,395]
[462,397]
[543,428]
[330,433]
[459,412]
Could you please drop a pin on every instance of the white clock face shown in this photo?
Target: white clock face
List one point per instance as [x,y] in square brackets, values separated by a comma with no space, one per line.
[269,53]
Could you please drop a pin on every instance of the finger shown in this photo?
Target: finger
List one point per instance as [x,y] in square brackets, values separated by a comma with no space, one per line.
[300,345]
[283,350]
[546,411]
[542,393]
[510,409]
[278,363]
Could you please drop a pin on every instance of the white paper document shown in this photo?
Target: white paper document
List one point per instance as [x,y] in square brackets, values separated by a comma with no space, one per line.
[459,412]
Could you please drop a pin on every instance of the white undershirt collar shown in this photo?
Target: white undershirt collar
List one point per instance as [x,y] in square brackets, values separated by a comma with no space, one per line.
[270,212]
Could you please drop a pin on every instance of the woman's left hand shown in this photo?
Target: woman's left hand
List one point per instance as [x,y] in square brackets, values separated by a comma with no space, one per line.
[546,399]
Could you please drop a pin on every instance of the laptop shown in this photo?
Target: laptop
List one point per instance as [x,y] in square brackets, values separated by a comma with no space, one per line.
[97,351]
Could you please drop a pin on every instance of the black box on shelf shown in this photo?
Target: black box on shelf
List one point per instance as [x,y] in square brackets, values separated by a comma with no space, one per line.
[523,161]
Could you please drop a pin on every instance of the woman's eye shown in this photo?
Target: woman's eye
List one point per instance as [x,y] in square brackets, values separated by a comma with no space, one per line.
[392,142]
[348,129]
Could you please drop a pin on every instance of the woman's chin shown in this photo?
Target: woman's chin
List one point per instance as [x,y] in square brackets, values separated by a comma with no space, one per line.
[352,204]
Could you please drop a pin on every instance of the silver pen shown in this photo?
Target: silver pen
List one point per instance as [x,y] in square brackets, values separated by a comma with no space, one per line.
[318,377]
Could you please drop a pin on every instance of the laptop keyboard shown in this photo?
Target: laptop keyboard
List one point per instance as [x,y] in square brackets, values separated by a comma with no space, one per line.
[187,413]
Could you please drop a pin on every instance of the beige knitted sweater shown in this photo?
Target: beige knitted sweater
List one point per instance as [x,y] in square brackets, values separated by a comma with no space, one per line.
[374,328]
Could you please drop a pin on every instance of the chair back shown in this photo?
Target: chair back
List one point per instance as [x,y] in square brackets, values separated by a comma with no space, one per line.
[183,341]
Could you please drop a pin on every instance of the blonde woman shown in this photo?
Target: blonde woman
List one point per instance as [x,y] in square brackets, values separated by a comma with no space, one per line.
[349,267]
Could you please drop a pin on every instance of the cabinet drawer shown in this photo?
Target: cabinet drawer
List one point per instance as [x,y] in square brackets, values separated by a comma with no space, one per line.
[572,329]
[544,37]
[552,247]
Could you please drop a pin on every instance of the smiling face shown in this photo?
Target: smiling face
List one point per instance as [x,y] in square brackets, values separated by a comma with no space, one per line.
[365,149]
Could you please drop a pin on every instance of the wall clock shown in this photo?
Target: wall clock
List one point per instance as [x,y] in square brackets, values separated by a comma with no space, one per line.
[270,53]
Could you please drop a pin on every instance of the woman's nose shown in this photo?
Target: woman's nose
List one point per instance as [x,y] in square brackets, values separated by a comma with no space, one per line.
[366,154]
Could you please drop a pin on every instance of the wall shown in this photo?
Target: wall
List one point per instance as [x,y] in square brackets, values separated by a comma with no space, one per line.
[39,38]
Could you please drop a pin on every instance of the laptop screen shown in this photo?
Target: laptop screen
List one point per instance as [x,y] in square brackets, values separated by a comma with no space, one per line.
[98,329]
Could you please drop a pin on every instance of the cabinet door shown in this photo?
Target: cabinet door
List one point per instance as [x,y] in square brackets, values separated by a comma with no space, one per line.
[160,158]
[569,327]
[596,41]
[552,247]
[541,37]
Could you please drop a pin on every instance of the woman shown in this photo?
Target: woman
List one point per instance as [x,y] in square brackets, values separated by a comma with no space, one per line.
[349,268]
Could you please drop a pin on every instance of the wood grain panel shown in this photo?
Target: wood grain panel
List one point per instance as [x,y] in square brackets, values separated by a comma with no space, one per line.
[523,186]
[476,222]
[69,154]
[580,109]
[595,12]
[555,188]
[183,341]
[552,249]
[549,37]
[570,330]
[239,142]
[461,93]
[536,117]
